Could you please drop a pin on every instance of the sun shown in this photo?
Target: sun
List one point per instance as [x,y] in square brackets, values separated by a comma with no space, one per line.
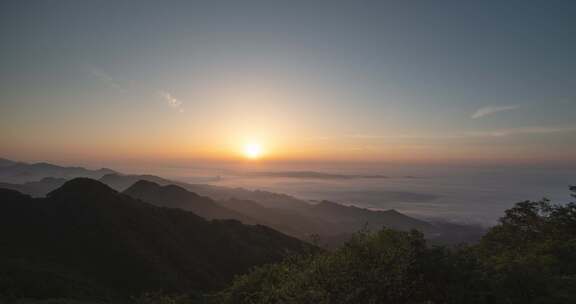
[253,150]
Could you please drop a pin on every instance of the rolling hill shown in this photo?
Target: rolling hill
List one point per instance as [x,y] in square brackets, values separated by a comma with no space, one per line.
[85,240]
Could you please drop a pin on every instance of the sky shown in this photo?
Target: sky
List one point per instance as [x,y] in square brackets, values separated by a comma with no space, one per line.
[365,81]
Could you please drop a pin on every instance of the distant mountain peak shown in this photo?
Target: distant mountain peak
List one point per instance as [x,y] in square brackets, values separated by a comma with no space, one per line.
[110,171]
[111,175]
[6,162]
[83,186]
[21,172]
[394,211]
[145,184]
[149,185]
[87,239]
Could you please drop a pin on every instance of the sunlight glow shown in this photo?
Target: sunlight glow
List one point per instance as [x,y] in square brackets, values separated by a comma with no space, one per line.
[253,150]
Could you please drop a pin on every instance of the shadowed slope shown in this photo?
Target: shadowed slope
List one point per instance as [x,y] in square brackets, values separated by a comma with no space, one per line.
[114,244]
[374,219]
[267,199]
[177,197]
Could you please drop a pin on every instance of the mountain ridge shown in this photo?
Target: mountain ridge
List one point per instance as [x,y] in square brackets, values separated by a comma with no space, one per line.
[22,172]
[177,197]
[288,214]
[114,244]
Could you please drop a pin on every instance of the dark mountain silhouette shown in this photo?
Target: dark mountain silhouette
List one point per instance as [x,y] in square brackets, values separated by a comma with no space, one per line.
[288,214]
[38,188]
[283,212]
[325,219]
[249,212]
[121,182]
[177,197]
[265,198]
[6,162]
[20,172]
[291,222]
[350,219]
[86,239]
[354,216]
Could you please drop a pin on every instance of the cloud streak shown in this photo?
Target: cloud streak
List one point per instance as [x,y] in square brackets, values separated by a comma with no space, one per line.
[116,83]
[107,78]
[489,110]
[172,101]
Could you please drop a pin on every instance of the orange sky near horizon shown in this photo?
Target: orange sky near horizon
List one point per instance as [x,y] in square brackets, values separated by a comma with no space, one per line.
[360,82]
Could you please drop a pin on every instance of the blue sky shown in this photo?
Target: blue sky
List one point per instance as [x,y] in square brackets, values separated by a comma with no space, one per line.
[350,80]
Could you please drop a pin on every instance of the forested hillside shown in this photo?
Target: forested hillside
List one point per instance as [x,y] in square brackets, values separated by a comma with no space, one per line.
[87,241]
[529,257]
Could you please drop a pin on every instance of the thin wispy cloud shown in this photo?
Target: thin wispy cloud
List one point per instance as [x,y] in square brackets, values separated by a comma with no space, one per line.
[489,110]
[172,101]
[167,97]
[107,78]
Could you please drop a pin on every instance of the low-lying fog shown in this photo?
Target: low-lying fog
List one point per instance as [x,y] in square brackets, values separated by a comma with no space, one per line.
[472,195]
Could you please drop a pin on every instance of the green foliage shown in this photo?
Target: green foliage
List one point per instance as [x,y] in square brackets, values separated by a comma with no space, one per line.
[531,254]
[529,257]
[373,267]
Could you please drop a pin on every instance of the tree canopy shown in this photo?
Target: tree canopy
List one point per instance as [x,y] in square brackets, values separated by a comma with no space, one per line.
[529,257]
